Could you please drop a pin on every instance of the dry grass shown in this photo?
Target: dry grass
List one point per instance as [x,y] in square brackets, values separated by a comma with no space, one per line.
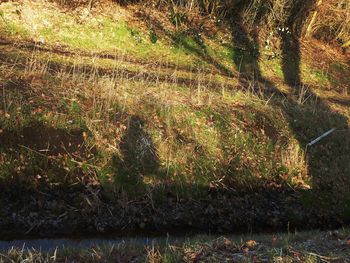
[332,22]
[327,20]
[332,246]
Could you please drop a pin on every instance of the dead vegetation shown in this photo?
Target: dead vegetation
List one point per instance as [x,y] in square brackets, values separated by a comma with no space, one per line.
[326,20]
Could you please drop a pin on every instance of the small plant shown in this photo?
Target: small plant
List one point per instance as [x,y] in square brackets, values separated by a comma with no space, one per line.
[153,35]
[153,254]
[136,35]
[2,15]
[199,40]
[177,18]
[303,94]
[74,108]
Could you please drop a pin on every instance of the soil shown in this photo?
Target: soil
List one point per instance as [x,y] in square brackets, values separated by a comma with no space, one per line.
[48,140]
[86,211]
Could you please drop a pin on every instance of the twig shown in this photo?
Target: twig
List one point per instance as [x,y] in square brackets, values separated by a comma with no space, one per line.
[34,226]
[323,258]
[34,151]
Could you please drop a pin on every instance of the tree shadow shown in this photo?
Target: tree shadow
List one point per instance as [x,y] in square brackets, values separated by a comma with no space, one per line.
[201,51]
[290,48]
[308,116]
[290,44]
[245,45]
[328,158]
[190,40]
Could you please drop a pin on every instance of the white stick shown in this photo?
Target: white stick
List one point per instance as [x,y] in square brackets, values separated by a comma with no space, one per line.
[321,137]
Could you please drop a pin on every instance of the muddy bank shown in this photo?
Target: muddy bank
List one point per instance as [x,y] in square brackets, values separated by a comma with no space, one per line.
[86,212]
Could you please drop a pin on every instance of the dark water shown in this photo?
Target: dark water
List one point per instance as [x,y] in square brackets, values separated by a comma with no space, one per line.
[51,244]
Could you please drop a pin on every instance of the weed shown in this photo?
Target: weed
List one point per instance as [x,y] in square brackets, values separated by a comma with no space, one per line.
[153,36]
[177,18]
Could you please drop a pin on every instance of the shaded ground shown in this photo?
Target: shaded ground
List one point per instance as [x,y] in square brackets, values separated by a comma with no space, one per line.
[47,140]
[72,209]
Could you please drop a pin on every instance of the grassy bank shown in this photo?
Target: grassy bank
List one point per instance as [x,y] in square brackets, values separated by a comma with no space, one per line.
[115,109]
